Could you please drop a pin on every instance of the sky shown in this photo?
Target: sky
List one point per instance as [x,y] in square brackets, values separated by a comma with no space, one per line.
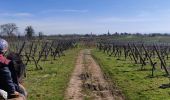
[86,16]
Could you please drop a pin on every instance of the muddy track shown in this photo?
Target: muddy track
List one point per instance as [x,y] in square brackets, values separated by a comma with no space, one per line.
[88,81]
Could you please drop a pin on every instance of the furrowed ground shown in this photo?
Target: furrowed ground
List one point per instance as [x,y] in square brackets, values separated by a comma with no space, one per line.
[135,84]
[51,82]
[88,81]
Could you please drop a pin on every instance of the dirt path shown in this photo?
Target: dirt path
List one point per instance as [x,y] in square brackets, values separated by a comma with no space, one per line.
[74,89]
[88,81]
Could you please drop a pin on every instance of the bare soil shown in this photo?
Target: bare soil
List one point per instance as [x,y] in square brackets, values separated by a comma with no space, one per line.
[88,81]
[74,90]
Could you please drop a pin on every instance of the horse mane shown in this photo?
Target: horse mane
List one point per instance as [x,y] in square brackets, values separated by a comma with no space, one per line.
[18,64]
[19,67]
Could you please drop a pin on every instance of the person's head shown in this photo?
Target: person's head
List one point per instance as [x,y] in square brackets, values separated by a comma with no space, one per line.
[3,45]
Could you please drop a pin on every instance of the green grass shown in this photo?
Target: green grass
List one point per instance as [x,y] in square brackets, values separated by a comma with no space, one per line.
[135,84]
[51,82]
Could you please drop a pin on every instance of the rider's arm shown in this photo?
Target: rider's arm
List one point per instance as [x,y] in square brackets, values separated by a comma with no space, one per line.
[6,79]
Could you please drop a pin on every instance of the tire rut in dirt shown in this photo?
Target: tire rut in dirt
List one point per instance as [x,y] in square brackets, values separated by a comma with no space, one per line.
[88,81]
[95,81]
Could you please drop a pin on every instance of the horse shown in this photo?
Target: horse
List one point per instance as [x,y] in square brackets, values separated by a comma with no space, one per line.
[19,67]
[18,64]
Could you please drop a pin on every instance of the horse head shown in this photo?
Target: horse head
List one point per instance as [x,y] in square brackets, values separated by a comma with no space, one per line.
[18,64]
[19,67]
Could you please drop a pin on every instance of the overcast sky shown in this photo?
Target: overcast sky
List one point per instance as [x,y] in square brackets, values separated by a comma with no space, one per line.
[85,16]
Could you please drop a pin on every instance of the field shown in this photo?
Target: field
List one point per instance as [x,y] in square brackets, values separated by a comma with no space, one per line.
[135,84]
[51,82]
[96,68]
[85,50]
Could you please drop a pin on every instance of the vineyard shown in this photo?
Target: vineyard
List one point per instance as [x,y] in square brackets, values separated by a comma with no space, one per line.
[141,69]
[84,50]
[48,65]
[94,68]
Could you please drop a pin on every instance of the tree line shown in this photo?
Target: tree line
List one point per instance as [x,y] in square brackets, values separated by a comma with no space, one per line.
[11,30]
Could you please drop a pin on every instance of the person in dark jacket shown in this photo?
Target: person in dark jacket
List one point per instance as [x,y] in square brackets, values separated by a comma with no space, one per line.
[8,81]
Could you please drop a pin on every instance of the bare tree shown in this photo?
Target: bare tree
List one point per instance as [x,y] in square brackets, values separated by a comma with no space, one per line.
[9,29]
[29,32]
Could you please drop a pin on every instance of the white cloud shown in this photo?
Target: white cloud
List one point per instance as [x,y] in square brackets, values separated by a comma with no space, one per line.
[23,14]
[65,11]
[53,26]
[20,14]
[144,21]
[142,17]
